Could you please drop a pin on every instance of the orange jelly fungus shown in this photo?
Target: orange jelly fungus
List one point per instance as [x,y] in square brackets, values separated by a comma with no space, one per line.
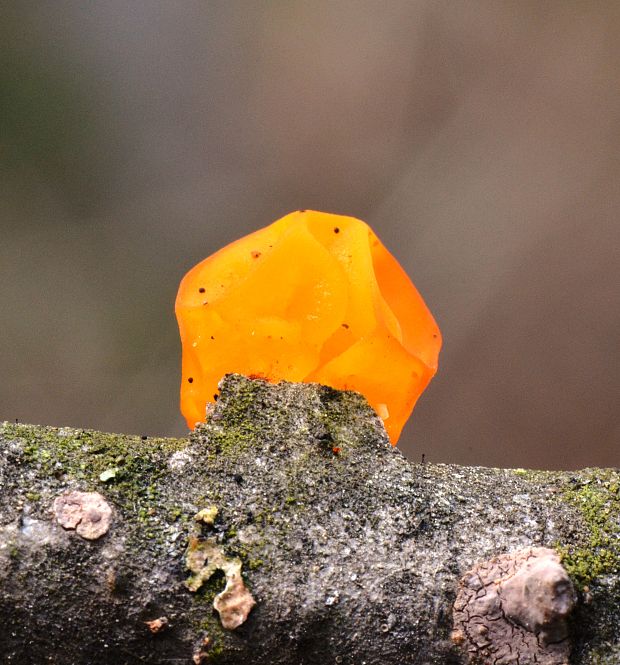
[313,297]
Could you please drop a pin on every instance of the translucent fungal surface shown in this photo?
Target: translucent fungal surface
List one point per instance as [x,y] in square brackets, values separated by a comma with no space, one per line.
[313,297]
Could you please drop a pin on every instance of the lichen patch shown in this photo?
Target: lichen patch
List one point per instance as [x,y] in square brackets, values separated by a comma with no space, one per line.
[88,513]
[235,602]
[206,515]
[204,558]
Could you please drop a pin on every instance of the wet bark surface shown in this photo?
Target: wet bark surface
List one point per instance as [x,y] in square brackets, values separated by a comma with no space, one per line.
[286,529]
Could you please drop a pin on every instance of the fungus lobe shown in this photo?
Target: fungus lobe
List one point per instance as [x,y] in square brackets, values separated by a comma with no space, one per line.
[313,297]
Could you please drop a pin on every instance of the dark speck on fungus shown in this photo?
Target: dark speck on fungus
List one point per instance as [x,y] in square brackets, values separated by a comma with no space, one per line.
[515,603]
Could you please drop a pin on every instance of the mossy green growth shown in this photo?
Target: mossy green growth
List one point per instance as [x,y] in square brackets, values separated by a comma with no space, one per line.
[596,494]
[239,429]
[605,655]
[86,456]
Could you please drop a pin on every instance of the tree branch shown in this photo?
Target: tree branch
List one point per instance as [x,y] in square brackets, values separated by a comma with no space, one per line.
[286,530]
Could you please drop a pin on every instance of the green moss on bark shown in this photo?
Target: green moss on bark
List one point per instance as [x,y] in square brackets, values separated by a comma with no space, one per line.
[596,495]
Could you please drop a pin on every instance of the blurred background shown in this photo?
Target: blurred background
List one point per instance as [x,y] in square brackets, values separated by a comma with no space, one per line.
[479,139]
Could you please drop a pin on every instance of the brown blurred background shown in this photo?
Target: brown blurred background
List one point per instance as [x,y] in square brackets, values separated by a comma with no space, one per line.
[479,139]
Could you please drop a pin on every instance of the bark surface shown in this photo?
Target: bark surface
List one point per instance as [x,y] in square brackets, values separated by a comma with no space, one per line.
[351,553]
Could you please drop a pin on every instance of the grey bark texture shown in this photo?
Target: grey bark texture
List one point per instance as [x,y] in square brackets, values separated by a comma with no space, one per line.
[289,511]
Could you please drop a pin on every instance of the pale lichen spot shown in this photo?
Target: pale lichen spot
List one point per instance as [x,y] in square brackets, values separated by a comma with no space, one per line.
[88,513]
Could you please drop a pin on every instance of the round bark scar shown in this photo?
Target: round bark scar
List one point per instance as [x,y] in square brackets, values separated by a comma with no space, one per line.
[88,513]
[512,609]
